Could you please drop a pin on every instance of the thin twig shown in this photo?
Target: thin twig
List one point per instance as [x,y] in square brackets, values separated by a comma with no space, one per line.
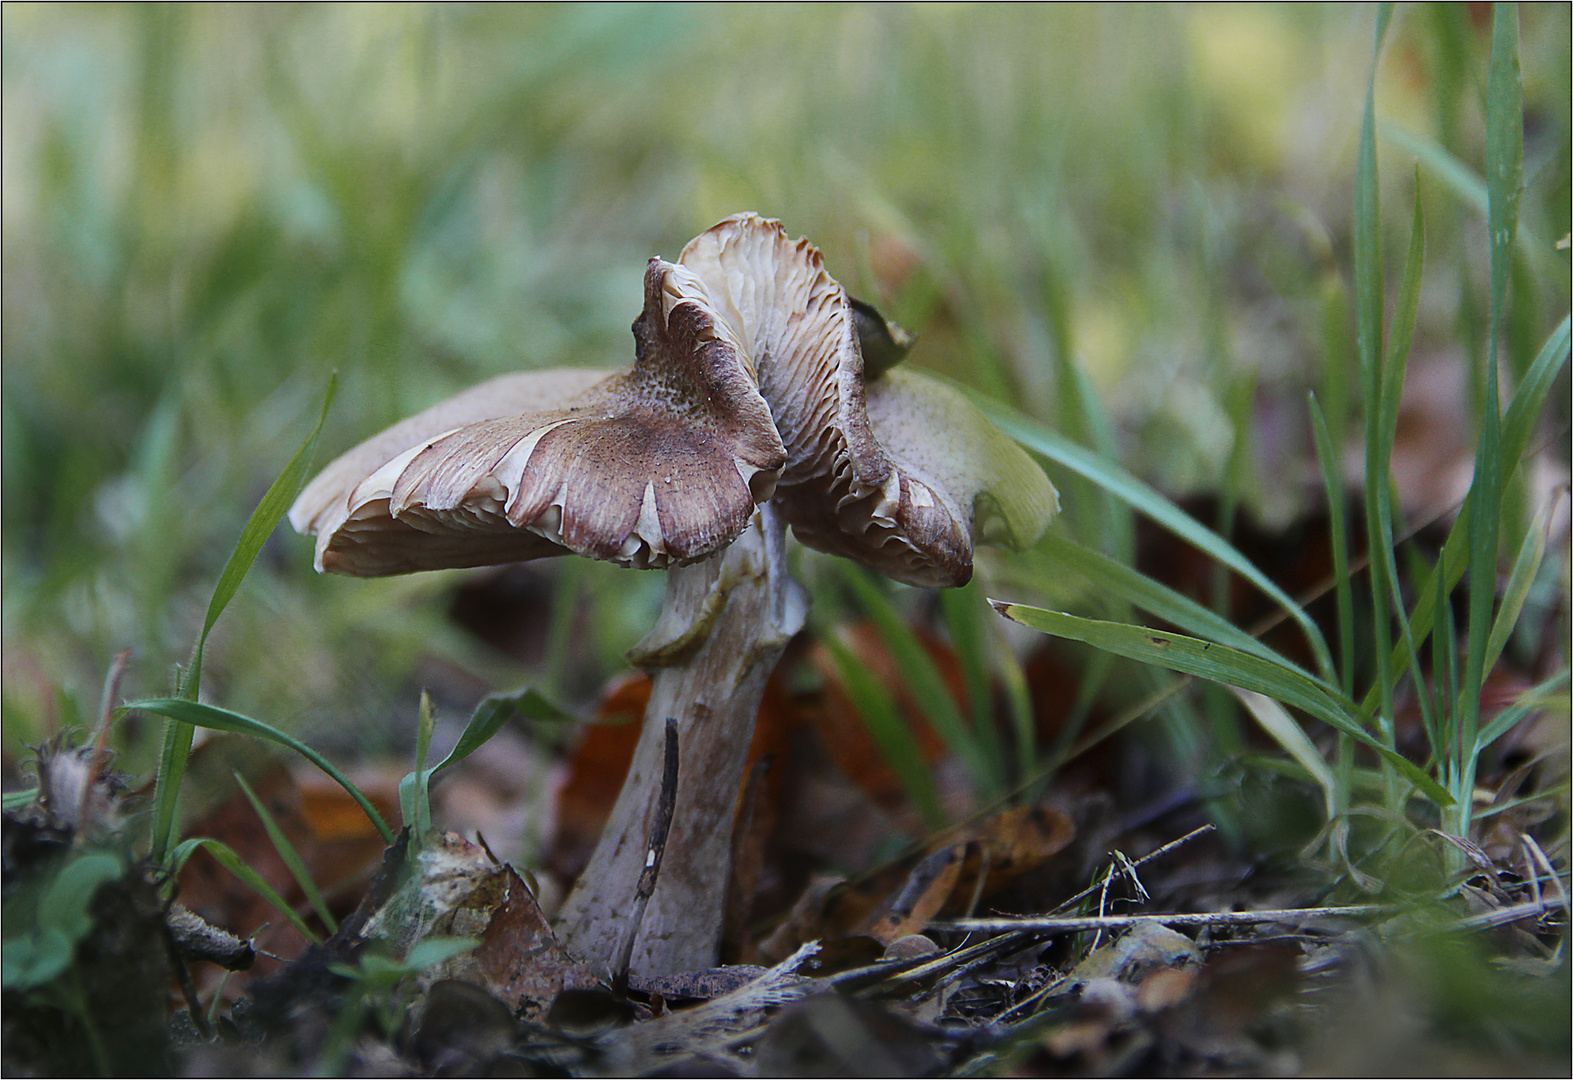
[654,851]
[1544,863]
[1550,871]
[961,959]
[1039,924]
[1170,846]
[1032,999]
[1512,913]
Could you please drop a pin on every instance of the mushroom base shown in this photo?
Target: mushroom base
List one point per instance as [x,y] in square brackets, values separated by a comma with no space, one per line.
[723,627]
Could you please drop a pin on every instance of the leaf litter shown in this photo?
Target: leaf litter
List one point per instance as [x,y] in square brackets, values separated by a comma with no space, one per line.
[1059,936]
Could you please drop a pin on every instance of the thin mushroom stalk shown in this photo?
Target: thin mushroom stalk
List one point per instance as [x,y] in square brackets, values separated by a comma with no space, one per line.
[724,625]
[749,408]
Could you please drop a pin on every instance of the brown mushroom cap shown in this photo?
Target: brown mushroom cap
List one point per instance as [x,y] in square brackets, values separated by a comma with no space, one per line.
[656,466]
[749,382]
[898,472]
[962,482]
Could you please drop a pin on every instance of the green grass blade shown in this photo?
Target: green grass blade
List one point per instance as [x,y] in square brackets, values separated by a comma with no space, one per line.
[15,800]
[1023,720]
[1154,597]
[1117,526]
[1466,185]
[166,786]
[1343,589]
[1504,149]
[1338,531]
[1444,654]
[877,708]
[197,714]
[1518,424]
[229,860]
[1402,329]
[921,677]
[493,712]
[1530,555]
[292,859]
[1384,17]
[1190,656]
[1368,293]
[1144,498]
[966,614]
[1395,365]
[1454,174]
[1280,726]
[1531,700]
[489,716]
[419,815]
[264,519]
[1368,230]
[1504,173]
[1220,663]
[175,752]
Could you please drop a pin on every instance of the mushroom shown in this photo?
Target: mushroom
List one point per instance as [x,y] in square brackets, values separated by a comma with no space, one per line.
[749,408]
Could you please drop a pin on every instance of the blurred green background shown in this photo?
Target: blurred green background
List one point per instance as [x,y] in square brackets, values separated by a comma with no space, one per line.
[209,208]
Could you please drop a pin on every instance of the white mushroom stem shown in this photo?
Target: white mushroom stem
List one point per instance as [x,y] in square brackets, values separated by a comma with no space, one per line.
[724,625]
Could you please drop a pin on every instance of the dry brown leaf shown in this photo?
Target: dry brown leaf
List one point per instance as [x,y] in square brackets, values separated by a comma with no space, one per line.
[1007,845]
[518,959]
[921,896]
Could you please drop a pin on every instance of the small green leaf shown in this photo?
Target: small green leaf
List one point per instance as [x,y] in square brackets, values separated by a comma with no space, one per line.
[31,960]
[64,904]
[493,712]
[34,958]
[488,718]
[434,951]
